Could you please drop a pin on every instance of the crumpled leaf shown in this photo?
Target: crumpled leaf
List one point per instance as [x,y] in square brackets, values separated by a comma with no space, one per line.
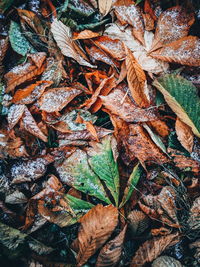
[57,98]
[185,135]
[181,95]
[131,184]
[103,163]
[152,248]
[173,24]
[31,126]
[18,42]
[76,172]
[96,227]
[139,51]
[185,51]
[128,12]
[63,36]
[136,80]
[121,104]
[110,254]
[25,71]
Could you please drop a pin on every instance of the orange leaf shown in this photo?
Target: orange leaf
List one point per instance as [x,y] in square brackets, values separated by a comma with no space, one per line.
[185,135]
[160,127]
[25,71]
[110,254]
[173,24]
[128,13]
[136,80]
[86,34]
[185,51]
[148,9]
[57,98]
[96,227]
[31,92]
[151,249]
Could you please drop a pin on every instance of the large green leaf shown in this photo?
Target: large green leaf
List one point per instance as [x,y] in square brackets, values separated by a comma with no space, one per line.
[18,42]
[76,172]
[102,162]
[182,97]
[131,184]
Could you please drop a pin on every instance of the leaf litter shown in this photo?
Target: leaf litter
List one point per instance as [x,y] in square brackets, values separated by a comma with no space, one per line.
[99,135]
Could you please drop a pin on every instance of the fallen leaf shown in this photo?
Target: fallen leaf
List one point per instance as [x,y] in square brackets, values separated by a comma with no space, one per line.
[185,135]
[138,222]
[98,54]
[194,220]
[96,227]
[160,127]
[152,248]
[86,34]
[31,126]
[128,12]
[136,80]
[63,36]
[185,51]
[25,71]
[104,6]
[14,115]
[110,254]
[57,98]
[181,95]
[166,261]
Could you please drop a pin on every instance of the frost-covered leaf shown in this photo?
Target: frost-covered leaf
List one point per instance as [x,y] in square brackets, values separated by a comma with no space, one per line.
[104,6]
[18,42]
[110,254]
[181,95]
[63,36]
[185,135]
[131,184]
[96,227]
[185,51]
[16,197]
[102,162]
[166,261]
[57,98]
[76,172]
[14,115]
[39,247]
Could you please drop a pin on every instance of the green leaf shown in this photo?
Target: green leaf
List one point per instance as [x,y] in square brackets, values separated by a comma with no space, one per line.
[18,42]
[138,2]
[131,184]
[5,4]
[78,205]
[182,97]
[76,172]
[101,160]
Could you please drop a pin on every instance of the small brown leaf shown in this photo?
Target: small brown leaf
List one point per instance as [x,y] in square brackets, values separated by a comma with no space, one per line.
[86,34]
[138,222]
[151,249]
[185,135]
[128,13]
[136,80]
[104,6]
[160,127]
[25,71]
[57,98]
[14,115]
[96,227]
[98,54]
[185,51]
[30,125]
[110,254]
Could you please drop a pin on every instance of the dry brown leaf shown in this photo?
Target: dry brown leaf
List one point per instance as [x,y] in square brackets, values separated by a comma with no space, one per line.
[185,135]
[148,22]
[31,126]
[141,145]
[96,227]
[31,92]
[173,24]
[25,71]
[119,103]
[98,54]
[138,222]
[111,46]
[160,127]
[57,98]
[194,219]
[149,10]
[185,51]
[128,13]
[136,80]
[86,34]
[110,254]
[196,245]
[63,36]
[14,115]
[104,6]
[151,249]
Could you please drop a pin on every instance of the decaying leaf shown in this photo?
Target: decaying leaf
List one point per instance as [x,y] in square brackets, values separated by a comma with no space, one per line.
[96,227]
[185,135]
[104,6]
[14,115]
[152,248]
[138,222]
[136,80]
[110,254]
[181,95]
[194,220]
[86,34]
